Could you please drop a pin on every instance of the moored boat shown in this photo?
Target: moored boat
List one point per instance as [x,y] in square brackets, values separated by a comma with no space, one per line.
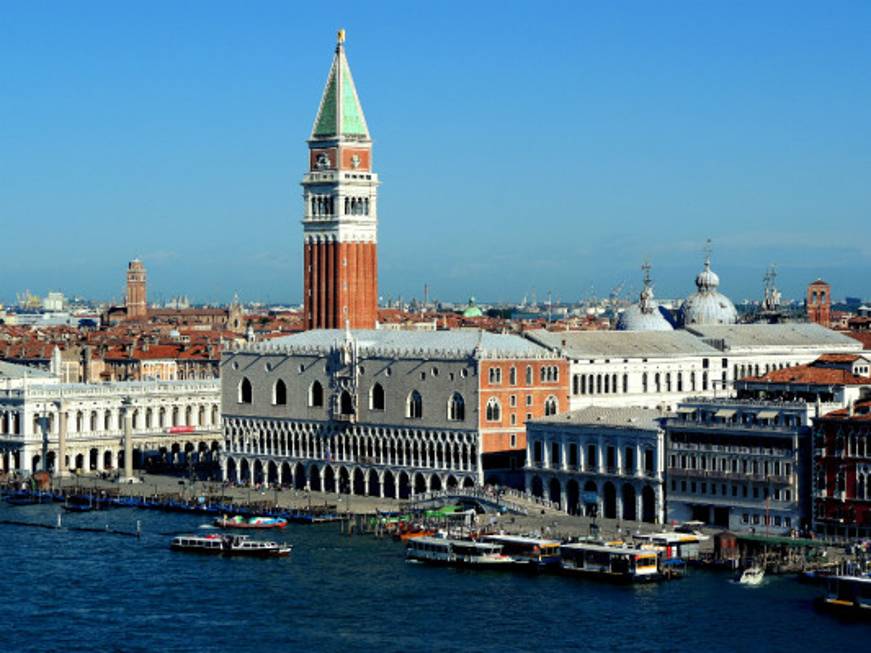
[229,545]
[617,563]
[530,552]
[849,596]
[463,553]
[257,522]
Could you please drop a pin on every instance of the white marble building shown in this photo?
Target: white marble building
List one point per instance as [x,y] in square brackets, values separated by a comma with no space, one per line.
[39,416]
[659,369]
[607,462]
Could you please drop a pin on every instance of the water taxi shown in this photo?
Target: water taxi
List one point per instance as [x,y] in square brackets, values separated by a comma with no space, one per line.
[847,595]
[250,522]
[443,551]
[618,563]
[229,545]
[531,552]
[752,576]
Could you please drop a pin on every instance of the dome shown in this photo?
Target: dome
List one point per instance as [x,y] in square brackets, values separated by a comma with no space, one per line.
[472,310]
[708,305]
[646,315]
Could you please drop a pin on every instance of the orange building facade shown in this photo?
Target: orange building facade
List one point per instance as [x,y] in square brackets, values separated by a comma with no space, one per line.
[512,392]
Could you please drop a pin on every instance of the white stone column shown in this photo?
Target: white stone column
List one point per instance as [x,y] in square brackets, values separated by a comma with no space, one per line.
[128,440]
[60,468]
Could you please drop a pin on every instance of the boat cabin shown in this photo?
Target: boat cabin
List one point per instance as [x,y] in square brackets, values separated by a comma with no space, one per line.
[619,563]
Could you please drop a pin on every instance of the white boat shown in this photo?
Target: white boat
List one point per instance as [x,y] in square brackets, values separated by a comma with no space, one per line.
[443,551]
[229,545]
[752,576]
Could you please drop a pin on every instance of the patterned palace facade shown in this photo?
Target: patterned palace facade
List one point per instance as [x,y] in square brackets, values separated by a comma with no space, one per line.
[384,413]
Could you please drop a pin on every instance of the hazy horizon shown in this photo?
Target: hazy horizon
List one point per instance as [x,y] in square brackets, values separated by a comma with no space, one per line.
[517,150]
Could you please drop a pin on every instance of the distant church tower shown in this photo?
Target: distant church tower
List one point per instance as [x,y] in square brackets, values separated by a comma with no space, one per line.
[819,303]
[137,309]
[341,210]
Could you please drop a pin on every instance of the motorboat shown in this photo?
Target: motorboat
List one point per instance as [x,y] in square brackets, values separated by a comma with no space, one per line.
[752,576]
[229,545]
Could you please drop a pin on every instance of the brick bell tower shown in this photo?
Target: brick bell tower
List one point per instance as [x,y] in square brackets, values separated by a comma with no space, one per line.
[341,210]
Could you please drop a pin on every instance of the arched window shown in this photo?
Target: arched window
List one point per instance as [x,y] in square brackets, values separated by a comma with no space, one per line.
[551,407]
[644,382]
[456,408]
[494,410]
[279,393]
[529,375]
[346,404]
[414,405]
[376,397]
[316,395]
[245,391]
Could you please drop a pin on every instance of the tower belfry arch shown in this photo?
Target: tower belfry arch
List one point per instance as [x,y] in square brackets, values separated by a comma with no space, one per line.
[340,268]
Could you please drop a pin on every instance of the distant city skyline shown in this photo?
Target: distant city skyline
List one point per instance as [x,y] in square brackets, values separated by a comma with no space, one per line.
[516,151]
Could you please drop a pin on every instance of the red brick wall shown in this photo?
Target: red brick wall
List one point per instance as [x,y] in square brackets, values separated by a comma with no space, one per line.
[496,436]
[336,276]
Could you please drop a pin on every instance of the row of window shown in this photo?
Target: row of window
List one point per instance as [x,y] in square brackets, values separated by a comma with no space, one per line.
[766,467]
[326,205]
[456,410]
[603,384]
[547,374]
[861,489]
[591,463]
[756,519]
[723,489]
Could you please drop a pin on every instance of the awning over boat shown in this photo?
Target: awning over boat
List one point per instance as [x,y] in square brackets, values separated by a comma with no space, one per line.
[725,413]
[685,410]
[766,414]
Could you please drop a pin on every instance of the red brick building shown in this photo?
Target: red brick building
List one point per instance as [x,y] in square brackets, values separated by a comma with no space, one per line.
[843,471]
[819,303]
[512,392]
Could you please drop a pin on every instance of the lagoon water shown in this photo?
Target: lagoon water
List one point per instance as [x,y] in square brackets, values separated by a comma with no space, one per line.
[74,591]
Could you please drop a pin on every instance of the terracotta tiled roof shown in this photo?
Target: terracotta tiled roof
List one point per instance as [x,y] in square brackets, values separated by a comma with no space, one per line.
[862,336]
[861,413]
[811,375]
[839,358]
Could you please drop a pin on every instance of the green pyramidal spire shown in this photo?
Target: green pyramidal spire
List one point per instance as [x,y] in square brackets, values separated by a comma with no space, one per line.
[340,113]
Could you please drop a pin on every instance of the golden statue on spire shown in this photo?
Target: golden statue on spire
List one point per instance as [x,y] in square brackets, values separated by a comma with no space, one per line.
[340,36]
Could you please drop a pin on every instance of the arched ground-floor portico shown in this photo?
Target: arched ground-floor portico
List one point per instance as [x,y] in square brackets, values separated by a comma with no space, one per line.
[358,480]
[628,499]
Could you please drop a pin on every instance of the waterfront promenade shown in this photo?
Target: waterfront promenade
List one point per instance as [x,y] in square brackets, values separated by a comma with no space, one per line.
[540,518]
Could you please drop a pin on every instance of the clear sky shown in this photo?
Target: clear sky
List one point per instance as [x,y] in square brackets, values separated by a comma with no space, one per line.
[528,145]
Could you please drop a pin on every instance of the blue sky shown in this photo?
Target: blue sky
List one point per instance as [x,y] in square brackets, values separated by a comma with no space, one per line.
[521,145]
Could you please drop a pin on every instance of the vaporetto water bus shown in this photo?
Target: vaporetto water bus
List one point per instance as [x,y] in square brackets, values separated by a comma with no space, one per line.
[229,545]
[463,553]
[617,563]
[533,553]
